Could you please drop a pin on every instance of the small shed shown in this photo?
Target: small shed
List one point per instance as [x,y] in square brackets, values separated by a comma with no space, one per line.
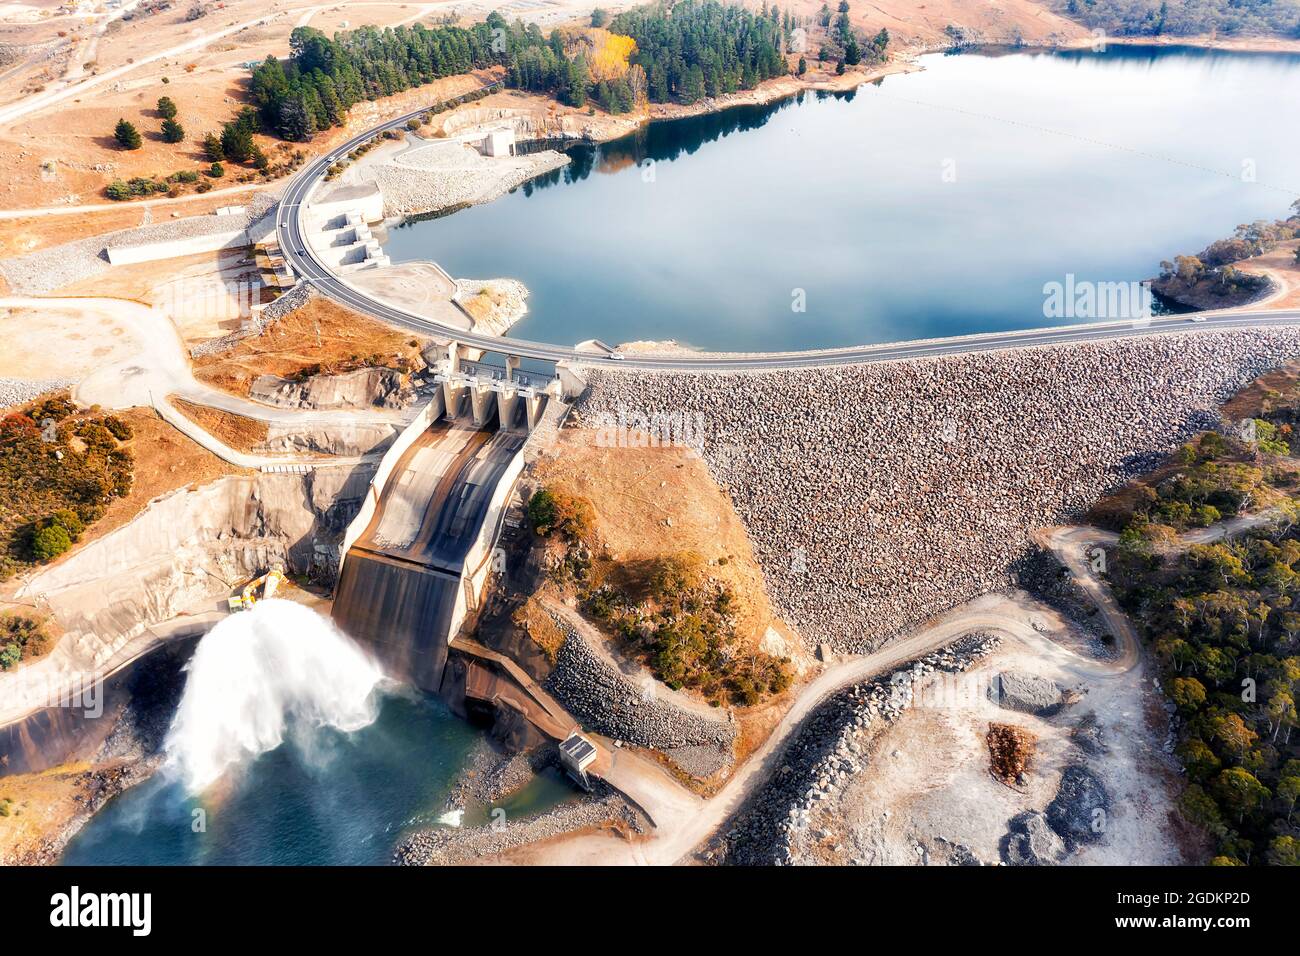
[577,753]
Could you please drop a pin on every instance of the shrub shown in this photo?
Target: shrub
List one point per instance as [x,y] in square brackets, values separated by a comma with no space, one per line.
[50,542]
[216,170]
[69,521]
[541,511]
[119,429]
[117,191]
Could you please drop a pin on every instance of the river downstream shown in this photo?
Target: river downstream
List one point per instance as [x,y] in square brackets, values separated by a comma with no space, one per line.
[941,201]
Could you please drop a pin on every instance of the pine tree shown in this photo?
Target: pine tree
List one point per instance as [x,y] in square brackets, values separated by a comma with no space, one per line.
[212,147]
[237,142]
[127,136]
[166,108]
[172,131]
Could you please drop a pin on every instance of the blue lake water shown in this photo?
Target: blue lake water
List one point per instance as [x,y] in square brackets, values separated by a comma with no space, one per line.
[934,203]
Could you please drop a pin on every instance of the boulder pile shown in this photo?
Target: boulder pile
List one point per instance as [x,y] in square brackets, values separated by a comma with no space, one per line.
[772,826]
[611,704]
[879,495]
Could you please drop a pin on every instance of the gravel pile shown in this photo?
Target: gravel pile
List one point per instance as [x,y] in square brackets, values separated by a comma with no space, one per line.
[829,750]
[446,845]
[48,269]
[409,190]
[880,495]
[609,703]
[16,391]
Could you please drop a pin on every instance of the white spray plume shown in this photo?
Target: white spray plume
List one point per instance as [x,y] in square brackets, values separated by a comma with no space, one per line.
[255,673]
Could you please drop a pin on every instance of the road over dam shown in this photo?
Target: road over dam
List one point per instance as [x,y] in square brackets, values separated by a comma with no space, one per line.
[299,254]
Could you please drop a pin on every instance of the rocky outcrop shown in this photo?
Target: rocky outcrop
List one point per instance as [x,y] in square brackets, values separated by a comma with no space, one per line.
[611,704]
[350,440]
[527,125]
[1026,693]
[361,388]
[182,555]
[1078,811]
[880,495]
[828,751]
[1032,842]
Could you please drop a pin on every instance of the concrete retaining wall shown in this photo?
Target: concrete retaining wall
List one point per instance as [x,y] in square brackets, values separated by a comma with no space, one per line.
[427,416]
[175,248]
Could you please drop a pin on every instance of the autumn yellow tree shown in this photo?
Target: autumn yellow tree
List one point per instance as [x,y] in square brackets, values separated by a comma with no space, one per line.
[610,53]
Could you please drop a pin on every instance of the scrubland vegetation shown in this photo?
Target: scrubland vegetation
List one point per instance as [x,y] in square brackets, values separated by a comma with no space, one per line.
[1223,619]
[59,469]
[21,638]
[668,612]
[1178,18]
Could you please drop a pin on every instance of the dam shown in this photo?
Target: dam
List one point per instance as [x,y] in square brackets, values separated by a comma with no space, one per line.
[418,555]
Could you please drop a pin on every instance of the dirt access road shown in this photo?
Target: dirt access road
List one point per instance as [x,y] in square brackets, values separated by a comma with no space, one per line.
[134,357]
[684,821]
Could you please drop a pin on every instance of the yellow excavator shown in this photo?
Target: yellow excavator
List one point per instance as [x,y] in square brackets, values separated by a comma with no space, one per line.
[258,589]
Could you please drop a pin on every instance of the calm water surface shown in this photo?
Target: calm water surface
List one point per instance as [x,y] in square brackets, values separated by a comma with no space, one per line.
[936,203]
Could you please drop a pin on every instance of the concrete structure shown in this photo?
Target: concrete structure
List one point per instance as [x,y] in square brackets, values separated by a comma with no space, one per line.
[498,142]
[173,248]
[577,754]
[515,397]
[344,239]
[417,558]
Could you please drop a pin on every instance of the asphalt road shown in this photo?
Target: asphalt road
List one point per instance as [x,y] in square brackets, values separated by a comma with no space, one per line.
[298,252]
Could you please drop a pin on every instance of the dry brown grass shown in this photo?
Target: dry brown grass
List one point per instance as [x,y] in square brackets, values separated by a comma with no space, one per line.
[240,433]
[321,336]
[165,460]
[540,627]
[1249,402]
[637,491]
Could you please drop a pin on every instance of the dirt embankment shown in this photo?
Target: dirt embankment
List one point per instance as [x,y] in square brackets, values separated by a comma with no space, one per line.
[240,433]
[320,337]
[657,501]
[651,505]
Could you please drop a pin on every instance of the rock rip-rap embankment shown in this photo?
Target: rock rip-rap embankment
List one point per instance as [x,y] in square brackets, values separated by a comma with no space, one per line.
[879,495]
[831,747]
[611,704]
